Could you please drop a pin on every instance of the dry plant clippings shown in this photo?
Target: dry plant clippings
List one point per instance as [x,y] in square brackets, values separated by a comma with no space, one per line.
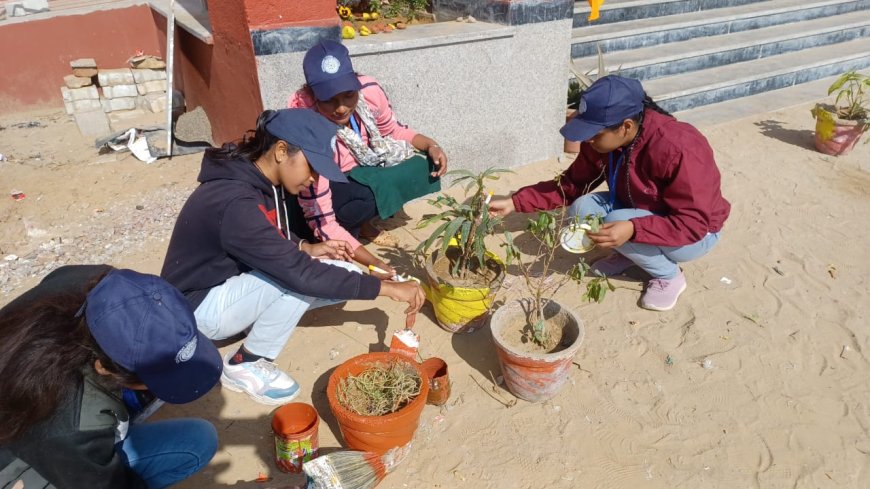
[383,388]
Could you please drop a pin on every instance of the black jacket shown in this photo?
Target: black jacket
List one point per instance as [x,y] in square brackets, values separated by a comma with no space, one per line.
[75,447]
[230,225]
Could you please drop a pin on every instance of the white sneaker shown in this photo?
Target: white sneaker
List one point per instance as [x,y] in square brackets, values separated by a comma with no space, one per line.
[262,380]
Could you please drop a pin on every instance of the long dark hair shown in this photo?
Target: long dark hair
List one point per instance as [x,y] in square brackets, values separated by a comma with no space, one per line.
[45,349]
[648,104]
[254,144]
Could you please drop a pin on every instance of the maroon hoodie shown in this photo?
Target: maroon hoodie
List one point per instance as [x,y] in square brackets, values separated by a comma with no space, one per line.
[671,173]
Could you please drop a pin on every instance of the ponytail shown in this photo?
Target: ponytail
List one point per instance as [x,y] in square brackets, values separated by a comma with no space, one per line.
[253,144]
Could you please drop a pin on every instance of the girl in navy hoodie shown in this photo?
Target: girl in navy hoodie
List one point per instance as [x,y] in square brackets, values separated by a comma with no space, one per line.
[234,258]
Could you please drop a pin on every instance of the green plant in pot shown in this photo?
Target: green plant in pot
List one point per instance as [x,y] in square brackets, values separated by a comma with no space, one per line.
[462,274]
[536,337]
[840,126]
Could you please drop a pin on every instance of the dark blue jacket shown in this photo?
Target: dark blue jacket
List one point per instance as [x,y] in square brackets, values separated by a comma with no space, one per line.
[236,222]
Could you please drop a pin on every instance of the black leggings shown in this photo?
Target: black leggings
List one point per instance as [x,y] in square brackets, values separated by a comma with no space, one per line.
[354,204]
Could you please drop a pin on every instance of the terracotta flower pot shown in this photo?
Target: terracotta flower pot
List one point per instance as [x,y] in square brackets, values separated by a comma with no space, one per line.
[439,381]
[835,136]
[376,434]
[460,308]
[531,375]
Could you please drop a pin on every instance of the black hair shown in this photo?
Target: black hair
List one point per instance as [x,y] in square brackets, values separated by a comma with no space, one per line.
[46,347]
[648,103]
[254,144]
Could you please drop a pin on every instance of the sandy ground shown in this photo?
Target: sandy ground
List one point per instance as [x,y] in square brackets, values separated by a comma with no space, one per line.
[757,379]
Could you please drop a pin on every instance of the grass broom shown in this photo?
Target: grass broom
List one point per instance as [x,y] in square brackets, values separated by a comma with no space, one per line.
[348,469]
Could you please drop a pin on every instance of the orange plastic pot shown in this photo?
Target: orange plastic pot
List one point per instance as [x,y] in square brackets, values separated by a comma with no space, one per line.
[534,376]
[295,427]
[376,434]
[439,381]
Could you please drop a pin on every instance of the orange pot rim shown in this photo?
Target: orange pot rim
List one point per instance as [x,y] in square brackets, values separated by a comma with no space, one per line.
[284,410]
[410,410]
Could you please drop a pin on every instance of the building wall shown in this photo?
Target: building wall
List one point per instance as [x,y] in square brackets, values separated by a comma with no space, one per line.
[489,100]
[36,53]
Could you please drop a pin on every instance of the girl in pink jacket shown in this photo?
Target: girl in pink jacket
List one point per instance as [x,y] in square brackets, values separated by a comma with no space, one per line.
[371,145]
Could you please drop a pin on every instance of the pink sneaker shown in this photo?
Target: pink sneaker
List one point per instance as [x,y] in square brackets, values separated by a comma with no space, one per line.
[611,265]
[662,294]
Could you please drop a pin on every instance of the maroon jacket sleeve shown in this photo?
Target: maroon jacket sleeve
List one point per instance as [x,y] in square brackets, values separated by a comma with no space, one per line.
[691,194]
[584,174]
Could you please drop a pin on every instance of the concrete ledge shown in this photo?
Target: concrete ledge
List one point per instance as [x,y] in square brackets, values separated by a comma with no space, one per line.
[427,36]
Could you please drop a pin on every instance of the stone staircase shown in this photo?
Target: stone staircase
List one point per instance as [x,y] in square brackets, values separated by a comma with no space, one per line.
[703,56]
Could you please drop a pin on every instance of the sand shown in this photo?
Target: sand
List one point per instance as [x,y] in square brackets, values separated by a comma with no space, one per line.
[757,379]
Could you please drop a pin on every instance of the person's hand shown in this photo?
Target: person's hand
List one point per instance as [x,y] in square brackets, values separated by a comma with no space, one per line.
[501,206]
[331,248]
[613,234]
[409,292]
[391,272]
[440,158]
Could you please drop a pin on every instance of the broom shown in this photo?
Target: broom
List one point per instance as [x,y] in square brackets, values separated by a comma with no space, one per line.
[345,470]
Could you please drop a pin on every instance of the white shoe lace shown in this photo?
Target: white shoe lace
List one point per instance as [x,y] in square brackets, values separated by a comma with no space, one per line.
[268,369]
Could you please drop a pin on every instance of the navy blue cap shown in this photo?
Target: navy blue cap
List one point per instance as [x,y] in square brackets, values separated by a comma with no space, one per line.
[146,326]
[609,101]
[328,70]
[313,133]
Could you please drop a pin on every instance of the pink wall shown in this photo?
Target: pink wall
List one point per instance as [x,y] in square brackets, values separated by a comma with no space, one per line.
[36,54]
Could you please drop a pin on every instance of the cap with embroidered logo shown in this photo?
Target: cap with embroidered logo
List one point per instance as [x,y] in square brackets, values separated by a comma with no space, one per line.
[607,102]
[328,70]
[146,326]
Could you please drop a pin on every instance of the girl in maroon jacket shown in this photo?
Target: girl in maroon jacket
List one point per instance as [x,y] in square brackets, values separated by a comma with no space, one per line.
[663,206]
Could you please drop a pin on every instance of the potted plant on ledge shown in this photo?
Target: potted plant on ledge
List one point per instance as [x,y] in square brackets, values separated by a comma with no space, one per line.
[840,126]
[463,275]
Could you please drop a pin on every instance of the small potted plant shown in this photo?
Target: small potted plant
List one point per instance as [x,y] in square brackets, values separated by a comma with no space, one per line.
[536,337]
[840,126]
[462,274]
[377,399]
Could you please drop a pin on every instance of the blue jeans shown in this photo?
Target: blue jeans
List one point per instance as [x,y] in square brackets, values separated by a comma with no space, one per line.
[166,452]
[658,261]
[252,300]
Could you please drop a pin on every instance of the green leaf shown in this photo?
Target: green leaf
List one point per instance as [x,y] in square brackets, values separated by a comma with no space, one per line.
[450,232]
[466,228]
[424,246]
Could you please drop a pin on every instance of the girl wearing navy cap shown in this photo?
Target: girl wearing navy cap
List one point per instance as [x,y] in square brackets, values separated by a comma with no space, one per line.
[71,344]
[664,205]
[374,149]
[234,257]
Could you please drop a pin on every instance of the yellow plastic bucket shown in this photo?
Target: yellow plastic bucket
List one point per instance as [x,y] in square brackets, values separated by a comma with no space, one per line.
[460,309]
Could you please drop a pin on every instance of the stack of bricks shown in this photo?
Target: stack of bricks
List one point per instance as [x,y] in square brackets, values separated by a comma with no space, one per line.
[117,91]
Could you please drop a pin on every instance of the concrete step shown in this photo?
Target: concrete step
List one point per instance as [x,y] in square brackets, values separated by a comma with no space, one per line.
[702,53]
[689,90]
[657,31]
[622,10]
[740,108]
